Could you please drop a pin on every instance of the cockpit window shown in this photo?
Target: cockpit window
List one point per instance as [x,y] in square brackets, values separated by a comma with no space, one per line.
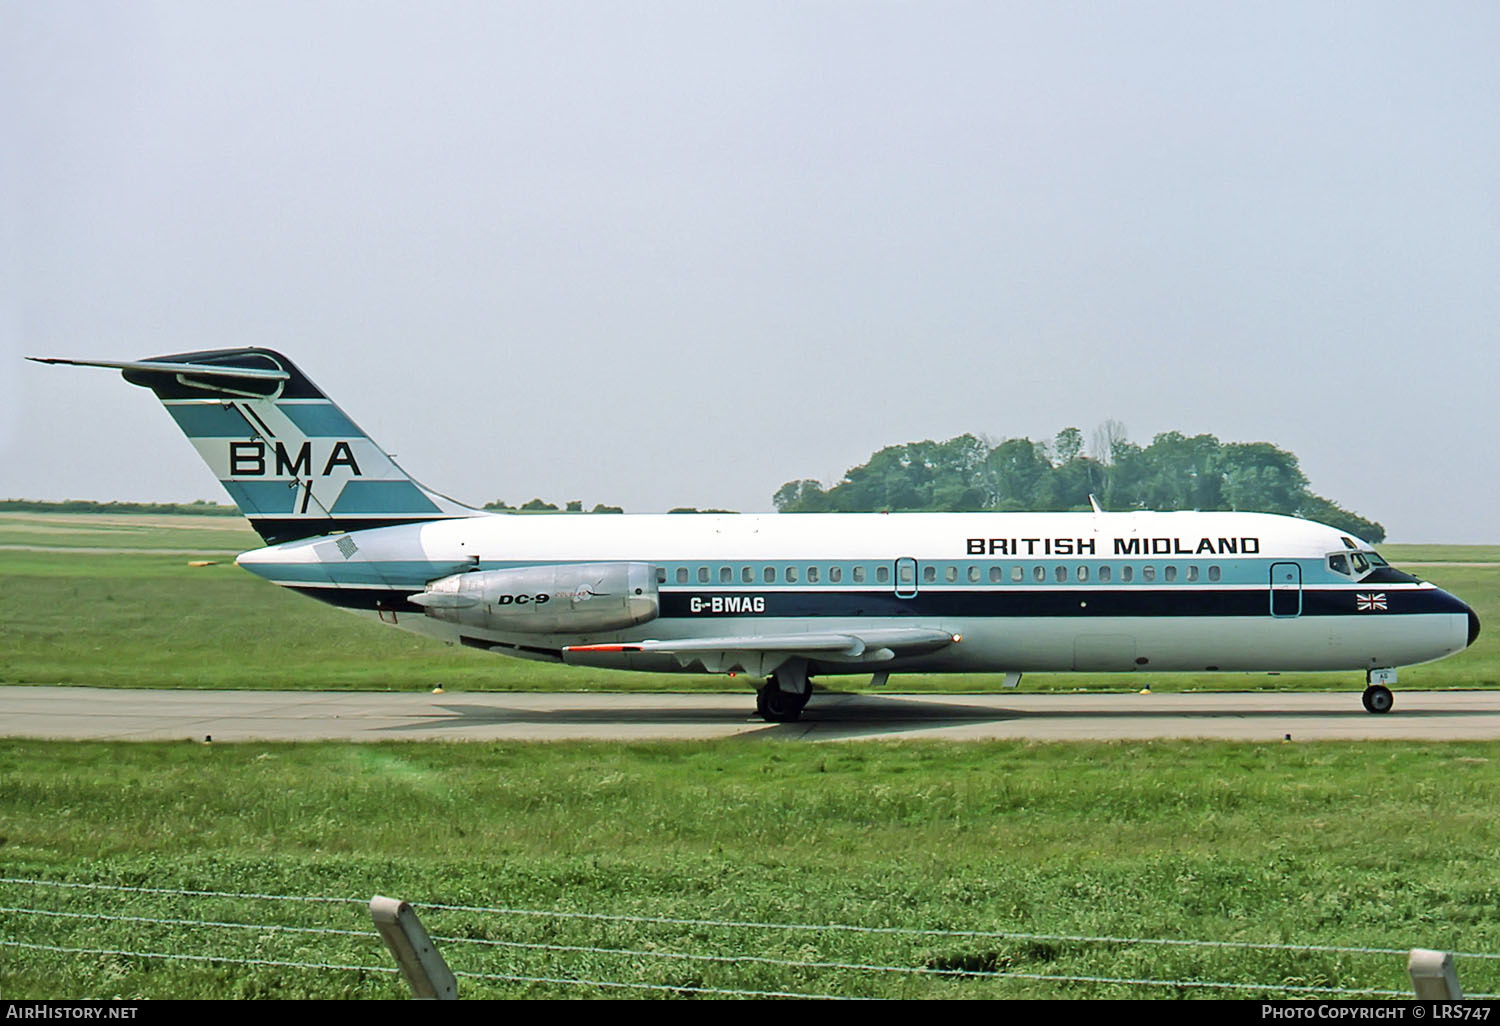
[1354,564]
[1368,567]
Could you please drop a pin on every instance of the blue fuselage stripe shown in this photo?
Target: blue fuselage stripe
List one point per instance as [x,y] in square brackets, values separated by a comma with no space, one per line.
[997,603]
[1244,573]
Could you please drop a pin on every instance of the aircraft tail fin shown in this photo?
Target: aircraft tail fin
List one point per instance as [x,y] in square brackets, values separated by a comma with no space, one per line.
[291,460]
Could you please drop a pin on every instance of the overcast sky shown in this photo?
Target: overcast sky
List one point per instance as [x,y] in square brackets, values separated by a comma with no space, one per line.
[663,254]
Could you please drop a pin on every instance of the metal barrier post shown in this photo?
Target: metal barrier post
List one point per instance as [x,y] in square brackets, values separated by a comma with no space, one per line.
[426,973]
[1433,976]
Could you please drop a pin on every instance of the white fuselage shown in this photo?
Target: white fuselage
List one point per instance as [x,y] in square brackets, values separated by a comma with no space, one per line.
[1023,591]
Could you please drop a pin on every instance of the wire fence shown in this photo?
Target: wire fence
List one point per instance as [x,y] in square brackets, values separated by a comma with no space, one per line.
[560,952]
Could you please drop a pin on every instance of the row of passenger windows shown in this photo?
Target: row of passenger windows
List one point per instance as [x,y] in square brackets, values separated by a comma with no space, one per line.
[950,574]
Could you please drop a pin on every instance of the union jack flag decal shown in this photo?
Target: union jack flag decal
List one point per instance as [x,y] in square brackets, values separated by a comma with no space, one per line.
[1374,602]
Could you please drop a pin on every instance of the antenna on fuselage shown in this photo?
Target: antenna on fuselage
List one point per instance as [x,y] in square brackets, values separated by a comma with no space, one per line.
[1095,503]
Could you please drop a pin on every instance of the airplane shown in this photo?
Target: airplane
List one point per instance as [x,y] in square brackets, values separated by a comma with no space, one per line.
[788,597]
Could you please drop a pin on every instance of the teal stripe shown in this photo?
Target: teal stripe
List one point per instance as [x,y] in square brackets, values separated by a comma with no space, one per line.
[211,420]
[382,497]
[262,496]
[417,572]
[1232,571]
[320,420]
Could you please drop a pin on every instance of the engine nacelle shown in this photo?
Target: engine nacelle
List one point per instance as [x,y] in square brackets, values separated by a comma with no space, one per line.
[571,598]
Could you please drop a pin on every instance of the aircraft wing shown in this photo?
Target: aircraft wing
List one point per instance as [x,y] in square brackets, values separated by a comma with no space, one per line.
[760,653]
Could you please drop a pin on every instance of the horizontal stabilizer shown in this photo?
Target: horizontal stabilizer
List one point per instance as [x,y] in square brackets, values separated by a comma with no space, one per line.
[162,367]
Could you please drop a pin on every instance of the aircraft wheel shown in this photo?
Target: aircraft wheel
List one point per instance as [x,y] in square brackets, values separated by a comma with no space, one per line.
[779,706]
[1378,699]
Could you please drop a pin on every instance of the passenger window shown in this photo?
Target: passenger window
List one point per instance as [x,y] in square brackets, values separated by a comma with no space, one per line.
[661,575]
[929,574]
[1061,573]
[1169,574]
[703,575]
[1148,573]
[770,575]
[747,575]
[682,575]
[1039,572]
[791,575]
[1213,573]
[1192,573]
[812,575]
[1103,574]
[1018,573]
[1083,573]
[1127,574]
[835,574]
[883,574]
[950,574]
[973,575]
[726,575]
[859,575]
[997,574]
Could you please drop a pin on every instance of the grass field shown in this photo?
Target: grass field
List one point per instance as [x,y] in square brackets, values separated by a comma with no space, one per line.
[209,535]
[1399,554]
[110,600]
[1268,844]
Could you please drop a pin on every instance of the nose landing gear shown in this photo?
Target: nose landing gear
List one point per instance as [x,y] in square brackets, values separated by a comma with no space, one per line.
[1377,697]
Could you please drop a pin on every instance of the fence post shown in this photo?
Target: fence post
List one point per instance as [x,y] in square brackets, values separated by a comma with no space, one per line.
[1433,976]
[426,973]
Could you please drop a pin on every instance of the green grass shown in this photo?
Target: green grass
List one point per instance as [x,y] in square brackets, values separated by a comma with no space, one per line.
[145,618]
[1399,554]
[1349,845]
[204,533]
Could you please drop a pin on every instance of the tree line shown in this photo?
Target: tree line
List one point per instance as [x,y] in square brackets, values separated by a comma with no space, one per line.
[541,506]
[198,506]
[1174,472]
[968,473]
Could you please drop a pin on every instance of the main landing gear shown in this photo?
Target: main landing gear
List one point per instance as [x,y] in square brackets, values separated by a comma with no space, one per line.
[785,694]
[776,706]
[1377,696]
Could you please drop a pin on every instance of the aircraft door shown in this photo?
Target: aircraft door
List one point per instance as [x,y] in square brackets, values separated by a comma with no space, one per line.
[906,577]
[1286,589]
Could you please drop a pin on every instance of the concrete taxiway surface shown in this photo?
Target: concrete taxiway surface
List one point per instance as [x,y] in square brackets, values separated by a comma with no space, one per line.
[138,715]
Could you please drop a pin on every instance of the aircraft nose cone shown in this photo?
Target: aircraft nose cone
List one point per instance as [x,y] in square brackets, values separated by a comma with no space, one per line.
[1473,626]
